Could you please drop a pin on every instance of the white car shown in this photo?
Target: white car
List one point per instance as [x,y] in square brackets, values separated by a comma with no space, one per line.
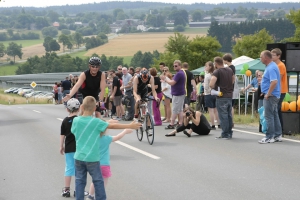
[10,90]
[32,94]
[21,90]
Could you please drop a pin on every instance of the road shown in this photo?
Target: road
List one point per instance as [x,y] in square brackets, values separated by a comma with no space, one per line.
[198,167]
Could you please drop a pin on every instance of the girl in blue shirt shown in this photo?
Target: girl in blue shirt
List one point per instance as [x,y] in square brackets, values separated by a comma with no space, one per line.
[105,141]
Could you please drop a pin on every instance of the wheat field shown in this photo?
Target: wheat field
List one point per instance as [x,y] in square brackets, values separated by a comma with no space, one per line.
[129,44]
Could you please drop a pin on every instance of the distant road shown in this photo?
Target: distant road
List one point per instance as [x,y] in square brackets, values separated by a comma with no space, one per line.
[174,168]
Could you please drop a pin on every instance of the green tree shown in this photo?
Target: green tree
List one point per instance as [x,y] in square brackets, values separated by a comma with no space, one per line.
[135,61]
[252,45]
[64,40]
[41,22]
[105,63]
[54,16]
[201,50]
[197,16]
[294,17]
[14,50]
[51,45]
[66,31]
[178,44]
[78,39]
[49,31]
[2,50]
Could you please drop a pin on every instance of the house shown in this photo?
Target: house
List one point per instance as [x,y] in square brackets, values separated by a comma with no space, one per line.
[55,24]
[199,24]
[141,27]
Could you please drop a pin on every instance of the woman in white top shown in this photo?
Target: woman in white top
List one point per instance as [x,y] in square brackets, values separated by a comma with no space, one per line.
[166,89]
[210,100]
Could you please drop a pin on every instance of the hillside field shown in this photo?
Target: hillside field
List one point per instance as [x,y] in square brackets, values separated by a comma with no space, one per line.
[129,44]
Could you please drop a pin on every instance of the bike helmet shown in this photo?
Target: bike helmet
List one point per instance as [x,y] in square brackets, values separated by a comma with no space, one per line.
[144,74]
[95,61]
[73,104]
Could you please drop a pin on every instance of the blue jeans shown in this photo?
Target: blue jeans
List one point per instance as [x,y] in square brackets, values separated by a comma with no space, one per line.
[272,118]
[224,107]
[282,95]
[81,169]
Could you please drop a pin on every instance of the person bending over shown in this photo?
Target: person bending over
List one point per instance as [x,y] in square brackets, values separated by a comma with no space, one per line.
[193,121]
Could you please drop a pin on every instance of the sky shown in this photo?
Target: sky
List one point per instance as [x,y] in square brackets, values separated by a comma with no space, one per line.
[45,3]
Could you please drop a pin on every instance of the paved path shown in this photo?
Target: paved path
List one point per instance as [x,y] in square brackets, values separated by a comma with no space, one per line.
[194,168]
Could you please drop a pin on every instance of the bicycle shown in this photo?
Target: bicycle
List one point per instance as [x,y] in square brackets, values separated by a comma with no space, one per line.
[145,118]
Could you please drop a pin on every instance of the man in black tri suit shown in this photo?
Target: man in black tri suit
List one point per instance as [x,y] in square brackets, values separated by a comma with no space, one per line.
[141,82]
[90,83]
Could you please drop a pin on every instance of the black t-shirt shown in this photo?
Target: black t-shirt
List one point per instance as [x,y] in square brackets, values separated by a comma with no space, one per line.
[261,97]
[65,129]
[91,85]
[189,78]
[204,126]
[224,81]
[232,67]
[158,83]
[66,85]
[116,82]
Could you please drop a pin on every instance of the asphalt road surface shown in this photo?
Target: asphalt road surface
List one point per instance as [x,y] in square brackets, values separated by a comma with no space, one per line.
[173,168]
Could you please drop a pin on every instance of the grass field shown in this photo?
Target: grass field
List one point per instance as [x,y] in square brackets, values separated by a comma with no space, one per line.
[129,44]
[196,30]
[80,54]
[14,99]
[6,70]
[25,43]
[127,59]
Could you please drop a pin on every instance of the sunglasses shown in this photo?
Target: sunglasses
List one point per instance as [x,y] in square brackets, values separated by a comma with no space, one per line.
[95,66]
[166,70]
[175,66]
[119,69]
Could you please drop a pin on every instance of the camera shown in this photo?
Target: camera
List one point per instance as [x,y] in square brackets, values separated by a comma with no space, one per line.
[187,114]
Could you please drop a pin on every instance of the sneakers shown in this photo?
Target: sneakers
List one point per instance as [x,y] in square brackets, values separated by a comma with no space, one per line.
[90,197]
[85,193]
[66,192]
[213,127]
[278,139]
[265,141]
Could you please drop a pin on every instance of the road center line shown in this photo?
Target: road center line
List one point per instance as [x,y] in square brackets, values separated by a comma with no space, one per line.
[138,150]
[36,111]
[132,148]
[260,134]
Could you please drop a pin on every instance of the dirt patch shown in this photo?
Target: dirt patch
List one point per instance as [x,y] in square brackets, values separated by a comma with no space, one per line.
[129,44]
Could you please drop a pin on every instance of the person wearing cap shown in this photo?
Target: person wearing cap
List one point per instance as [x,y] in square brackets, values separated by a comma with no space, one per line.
[140,88]
[90,83]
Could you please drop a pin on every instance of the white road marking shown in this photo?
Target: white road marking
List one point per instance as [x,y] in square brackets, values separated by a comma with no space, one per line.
[132,148]
[138,150]
[260,134]
[36,111]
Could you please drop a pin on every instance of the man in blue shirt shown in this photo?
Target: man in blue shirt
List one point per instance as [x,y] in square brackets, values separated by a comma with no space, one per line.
[66,86]
[270,87]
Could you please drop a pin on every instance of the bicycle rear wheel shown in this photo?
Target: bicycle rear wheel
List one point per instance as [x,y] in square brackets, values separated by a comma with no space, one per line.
[149,128]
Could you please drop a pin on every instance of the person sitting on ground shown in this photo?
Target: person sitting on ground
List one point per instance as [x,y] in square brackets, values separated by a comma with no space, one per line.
[199,124]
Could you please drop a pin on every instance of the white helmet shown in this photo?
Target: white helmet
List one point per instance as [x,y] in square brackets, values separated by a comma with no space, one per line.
[73,104]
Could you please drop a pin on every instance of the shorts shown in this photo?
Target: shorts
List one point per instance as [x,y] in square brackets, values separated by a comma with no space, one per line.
[117,100]
[210,101]
[166,97]
[70,164]
[105,170]
[177,104]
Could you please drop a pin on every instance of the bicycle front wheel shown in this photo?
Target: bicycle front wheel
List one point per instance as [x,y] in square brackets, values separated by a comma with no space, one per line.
[139,133]
[149,128]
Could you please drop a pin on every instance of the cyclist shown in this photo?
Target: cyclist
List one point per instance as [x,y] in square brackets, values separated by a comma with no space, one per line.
[90,83]
[141,82]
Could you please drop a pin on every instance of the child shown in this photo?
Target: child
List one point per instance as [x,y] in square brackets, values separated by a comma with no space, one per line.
[87,131]
[105,141]
[68,144]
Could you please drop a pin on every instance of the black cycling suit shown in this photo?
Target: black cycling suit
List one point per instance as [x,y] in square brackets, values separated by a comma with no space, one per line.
[142,87]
